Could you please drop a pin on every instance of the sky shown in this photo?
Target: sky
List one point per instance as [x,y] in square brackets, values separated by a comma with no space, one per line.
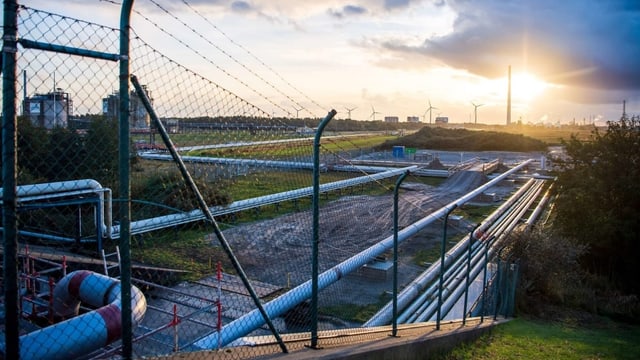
[571,61]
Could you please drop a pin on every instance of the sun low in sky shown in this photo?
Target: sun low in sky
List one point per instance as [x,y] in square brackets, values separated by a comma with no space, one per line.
[570,60]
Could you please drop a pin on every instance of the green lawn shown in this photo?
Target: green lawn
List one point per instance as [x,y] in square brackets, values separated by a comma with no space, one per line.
[536,339]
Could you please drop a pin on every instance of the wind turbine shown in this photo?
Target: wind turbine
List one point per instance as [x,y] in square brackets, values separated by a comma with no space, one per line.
[349,112]
[296,109]
[475,111]
[373,113]
[430,109]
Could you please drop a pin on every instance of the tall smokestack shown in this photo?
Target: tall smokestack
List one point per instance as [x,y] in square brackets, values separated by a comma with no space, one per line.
[509,99]
[24,92]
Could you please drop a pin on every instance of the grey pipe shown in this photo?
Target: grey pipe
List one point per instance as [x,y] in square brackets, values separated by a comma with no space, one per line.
[253,320]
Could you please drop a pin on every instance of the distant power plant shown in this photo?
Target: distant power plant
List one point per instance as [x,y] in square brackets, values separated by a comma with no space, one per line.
[138,116]
[509,99]
[442,120]
[48,110]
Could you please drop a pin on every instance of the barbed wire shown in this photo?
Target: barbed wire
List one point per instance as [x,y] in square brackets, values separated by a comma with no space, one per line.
[254,57]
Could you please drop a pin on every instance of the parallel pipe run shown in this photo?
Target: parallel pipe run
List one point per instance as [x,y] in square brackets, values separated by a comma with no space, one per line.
[77,187]
[142,226]
[538,209]
[252,320]
[415,288]
[454,287]
[83,334]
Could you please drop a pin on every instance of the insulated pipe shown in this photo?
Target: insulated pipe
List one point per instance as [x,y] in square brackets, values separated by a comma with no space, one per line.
[48,189]
[231,161]
[506,226]
[253,320]
[503,226]
[415,288]
[82,334]
[422,301]
[538,209]
[141,226]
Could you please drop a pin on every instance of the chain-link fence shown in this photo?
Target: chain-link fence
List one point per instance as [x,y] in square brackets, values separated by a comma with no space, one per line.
[218,239]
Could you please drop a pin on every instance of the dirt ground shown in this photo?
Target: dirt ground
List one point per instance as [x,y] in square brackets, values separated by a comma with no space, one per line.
[278,251]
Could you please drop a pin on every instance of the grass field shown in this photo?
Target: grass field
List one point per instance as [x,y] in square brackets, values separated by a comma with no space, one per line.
[578,337]
[550,135]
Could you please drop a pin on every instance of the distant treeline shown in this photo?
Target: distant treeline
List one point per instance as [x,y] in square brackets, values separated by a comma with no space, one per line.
[467,140]
[334,124]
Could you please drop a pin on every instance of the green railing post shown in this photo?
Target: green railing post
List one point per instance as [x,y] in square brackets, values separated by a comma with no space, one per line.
[9,185]
[124,183]
[315,225]
[466,289]
[443,248]
[498,286]
[394,331]
[484,280]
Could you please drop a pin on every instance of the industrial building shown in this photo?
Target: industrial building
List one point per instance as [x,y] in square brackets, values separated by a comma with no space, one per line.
[48,110]
[413,119]
[139,118]
[442,120]
[391,119]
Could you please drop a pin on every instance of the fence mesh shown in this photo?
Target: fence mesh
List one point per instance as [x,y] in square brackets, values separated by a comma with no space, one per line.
[254,171]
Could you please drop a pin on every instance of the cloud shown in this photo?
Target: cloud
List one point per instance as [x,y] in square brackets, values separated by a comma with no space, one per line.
[589,43]
[347,10]
[395,4]
[241,6]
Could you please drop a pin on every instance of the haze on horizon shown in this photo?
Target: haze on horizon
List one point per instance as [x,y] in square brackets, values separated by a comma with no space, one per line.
[571,60]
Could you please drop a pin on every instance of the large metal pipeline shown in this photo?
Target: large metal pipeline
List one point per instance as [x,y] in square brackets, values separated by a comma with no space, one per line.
[72,187]
[160,222]
[415,288]
[231,161]
[80,335]
[538,209]
[253,320]
[506,223]
[78,187]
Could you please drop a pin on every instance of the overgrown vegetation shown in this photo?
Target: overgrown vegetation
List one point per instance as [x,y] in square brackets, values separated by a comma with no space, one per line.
[598,202]
[63,154]
[579,273]
[467,140]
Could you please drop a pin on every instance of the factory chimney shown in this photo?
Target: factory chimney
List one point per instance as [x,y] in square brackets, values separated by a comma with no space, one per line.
[509,99]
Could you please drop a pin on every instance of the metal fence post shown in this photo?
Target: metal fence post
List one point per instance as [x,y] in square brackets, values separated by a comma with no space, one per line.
[315,225]
[9,172]
[124,183]
[401,178]
[442,267]
[466,289]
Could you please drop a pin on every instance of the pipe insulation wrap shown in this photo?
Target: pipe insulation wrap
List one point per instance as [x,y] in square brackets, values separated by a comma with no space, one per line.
[88,332]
